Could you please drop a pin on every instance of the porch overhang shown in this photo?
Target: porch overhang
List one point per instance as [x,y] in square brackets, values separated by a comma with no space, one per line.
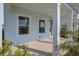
[74,6]
[42,8]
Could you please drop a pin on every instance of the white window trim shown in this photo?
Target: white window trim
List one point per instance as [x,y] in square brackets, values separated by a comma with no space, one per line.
[17,23]
[41,18]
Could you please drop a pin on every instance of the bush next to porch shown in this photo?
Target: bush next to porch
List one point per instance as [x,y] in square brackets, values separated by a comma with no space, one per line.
[64,31]
[72,46]
[7,51]
[22,51]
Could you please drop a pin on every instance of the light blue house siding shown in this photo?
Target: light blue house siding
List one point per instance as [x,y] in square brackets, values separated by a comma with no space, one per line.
[11,25]
[66,20]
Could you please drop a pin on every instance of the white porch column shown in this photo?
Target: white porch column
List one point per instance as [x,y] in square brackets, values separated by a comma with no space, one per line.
[70,25]
[56,30]
[75,18]
[1,19]
[71,21]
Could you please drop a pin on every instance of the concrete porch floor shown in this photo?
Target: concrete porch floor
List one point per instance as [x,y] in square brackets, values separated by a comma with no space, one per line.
[43,47]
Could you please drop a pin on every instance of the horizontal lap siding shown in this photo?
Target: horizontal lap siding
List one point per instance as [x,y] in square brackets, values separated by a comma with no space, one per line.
[11,23]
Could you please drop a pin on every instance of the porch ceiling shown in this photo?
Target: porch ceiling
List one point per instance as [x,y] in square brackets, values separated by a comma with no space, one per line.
[75,6]
[43,8]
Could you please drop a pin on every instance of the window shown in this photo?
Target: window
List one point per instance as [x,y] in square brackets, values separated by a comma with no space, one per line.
[41,26]
[50,28]
[23,25]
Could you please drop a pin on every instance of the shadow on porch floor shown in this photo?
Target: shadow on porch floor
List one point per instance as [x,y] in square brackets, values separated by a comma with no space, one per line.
[39,52]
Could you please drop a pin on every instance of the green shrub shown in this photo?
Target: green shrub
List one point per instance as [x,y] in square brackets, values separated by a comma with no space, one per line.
[23,47]
[22,51]
[19,53]
[6,47]
[76,36]
[72,46]
[64,31]
[0,51]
